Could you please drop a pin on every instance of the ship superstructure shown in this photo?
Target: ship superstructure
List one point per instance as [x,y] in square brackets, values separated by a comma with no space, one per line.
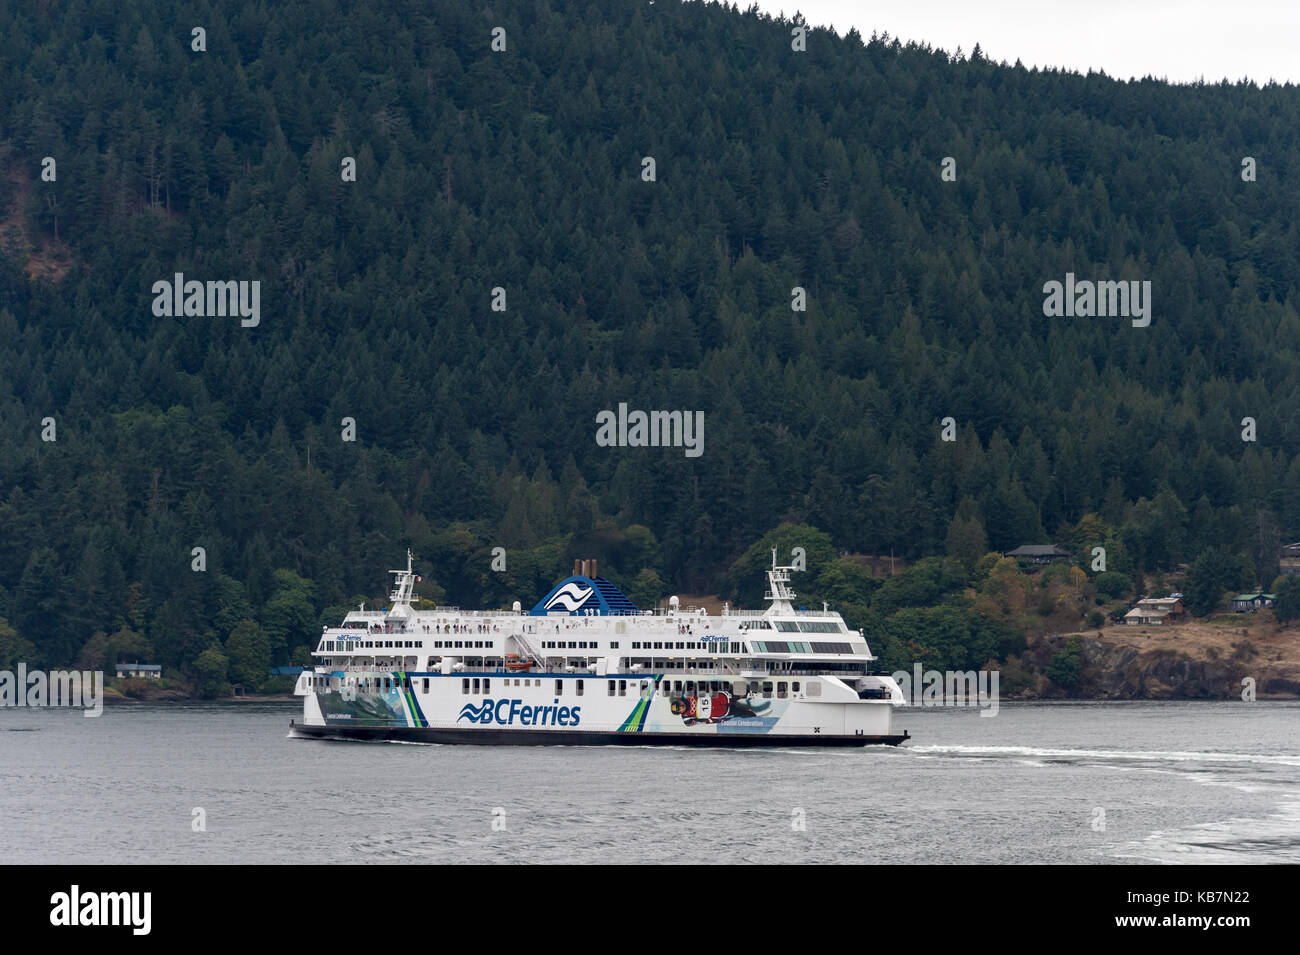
[585,665]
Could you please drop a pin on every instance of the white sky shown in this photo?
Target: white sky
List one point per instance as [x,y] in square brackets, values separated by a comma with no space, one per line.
[1179,40]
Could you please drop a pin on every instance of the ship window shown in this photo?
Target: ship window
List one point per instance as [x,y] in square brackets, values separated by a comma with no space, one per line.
[782,690]
[690,686]
[426,684]
[579,690]
[487,685]
[678,685]
[613,645]
[464,685]
[680,645]
[646,689]
[611,687]
[476,689]
[735,648]
[658,645]
[559,687]
[767,691]
[622,687]
[794,687]
[787,626]
[573,644]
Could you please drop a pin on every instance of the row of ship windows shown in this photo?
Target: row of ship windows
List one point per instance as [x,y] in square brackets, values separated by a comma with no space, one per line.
[483,685]
[766,688]
[576,645]
[715,646]
[795,626]
[795,646]
[346,646]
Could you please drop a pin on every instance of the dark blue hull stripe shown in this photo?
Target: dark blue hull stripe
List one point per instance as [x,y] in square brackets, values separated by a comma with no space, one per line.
[520,737]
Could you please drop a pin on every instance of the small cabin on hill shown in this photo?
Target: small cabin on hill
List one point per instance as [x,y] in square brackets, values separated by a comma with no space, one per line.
[147,671]
[1172,605]
[1146,617]
[1249,603]
[1038,553]
[1156,611]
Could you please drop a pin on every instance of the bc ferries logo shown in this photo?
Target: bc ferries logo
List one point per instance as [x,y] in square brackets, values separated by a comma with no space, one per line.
[506,712]
[571,596]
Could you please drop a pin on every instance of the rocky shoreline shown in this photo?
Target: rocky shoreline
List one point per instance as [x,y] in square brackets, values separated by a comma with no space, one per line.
[1184,662]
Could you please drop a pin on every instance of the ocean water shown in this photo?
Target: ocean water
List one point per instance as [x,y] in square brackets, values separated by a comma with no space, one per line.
[1105,783]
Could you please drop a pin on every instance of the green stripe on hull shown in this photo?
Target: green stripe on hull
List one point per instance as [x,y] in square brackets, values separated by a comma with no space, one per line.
[409,696]
[636,721]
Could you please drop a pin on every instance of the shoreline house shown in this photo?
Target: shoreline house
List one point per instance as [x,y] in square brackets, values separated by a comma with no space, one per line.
[146,671]
[1038,553]
[1156,611]
[1249,603]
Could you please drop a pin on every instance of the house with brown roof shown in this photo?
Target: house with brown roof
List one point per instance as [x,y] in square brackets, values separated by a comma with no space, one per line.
[1038,553]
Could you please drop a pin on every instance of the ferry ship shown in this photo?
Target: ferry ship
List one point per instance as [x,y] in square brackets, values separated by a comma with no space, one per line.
[585,666]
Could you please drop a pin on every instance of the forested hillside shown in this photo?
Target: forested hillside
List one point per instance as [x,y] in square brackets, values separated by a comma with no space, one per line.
[522,170]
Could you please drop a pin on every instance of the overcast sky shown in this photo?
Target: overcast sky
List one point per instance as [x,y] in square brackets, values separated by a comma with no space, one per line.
[1180,40]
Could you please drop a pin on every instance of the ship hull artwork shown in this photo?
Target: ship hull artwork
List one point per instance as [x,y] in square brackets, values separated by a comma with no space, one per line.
[586,667]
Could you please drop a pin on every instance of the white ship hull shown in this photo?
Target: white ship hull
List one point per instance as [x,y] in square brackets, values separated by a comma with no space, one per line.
[577,709]
[585,666]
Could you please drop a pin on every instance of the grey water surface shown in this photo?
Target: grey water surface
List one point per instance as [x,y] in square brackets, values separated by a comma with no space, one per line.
[1037,783]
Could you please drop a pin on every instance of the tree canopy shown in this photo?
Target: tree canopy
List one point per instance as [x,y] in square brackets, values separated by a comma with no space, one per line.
[522,170]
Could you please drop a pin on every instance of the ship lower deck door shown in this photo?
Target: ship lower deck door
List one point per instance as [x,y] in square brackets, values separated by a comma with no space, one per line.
[703,707]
